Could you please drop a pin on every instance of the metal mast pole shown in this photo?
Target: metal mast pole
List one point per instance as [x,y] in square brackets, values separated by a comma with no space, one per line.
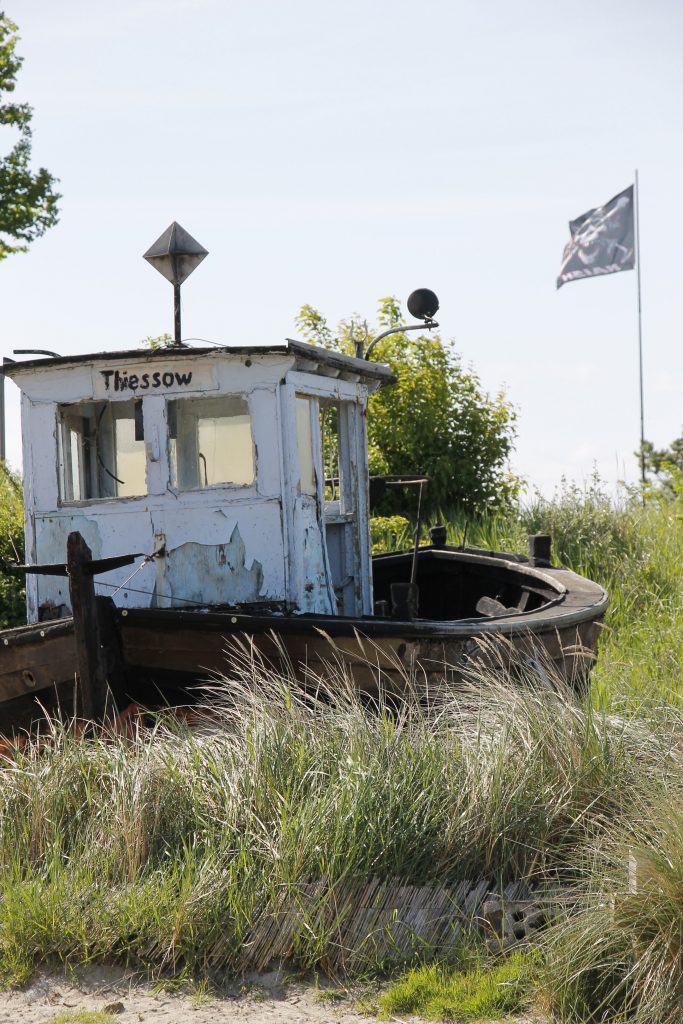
[176,314]
[640,336]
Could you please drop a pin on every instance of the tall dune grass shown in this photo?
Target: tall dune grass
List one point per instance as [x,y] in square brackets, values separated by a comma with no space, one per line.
[165,850]
[620,955]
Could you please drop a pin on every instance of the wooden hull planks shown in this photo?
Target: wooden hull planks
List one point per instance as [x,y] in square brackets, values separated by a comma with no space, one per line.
[35,658]
[549,616]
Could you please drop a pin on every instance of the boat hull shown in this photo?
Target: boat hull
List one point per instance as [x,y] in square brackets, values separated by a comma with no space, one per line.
[191,647]
[548,616]
[165,651]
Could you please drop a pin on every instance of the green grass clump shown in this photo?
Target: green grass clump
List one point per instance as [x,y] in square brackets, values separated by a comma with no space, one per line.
[390,533]
[83,1017]
[620,954]
[479,992]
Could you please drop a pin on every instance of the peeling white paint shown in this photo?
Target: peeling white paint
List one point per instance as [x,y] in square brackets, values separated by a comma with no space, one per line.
[208,574]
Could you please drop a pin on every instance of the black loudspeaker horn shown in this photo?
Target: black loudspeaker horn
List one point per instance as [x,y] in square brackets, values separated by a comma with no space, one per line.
[423,304]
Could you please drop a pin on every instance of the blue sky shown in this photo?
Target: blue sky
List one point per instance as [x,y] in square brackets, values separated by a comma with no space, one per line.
[336,153]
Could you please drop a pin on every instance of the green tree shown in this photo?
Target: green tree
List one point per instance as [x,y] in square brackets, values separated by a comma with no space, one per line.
[436,419]
[28,201]
[12,599]
[664,467]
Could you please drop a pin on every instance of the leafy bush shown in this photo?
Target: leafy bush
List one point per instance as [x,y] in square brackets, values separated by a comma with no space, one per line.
[389,533]
[435,420]
[12,594]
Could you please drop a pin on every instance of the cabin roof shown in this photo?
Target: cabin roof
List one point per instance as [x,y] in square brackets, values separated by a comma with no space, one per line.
[310,357]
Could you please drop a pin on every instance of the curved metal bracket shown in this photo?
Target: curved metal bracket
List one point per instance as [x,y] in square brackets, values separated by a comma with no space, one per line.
[427,325]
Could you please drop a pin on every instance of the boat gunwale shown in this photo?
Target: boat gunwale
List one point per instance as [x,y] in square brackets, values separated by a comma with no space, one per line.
[492,559]
[578,600]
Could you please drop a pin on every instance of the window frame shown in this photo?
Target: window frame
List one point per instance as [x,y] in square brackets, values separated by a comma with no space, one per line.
[174,485]
[89,474]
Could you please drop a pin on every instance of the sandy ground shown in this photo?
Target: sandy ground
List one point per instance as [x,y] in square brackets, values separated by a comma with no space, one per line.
[260,999]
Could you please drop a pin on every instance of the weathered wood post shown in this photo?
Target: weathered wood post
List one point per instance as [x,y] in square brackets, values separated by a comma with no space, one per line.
[92,678]
[540,545]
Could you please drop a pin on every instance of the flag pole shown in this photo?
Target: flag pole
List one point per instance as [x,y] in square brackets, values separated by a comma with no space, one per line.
[640,337]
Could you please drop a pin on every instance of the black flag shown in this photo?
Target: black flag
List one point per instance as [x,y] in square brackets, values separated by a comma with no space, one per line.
[602,241]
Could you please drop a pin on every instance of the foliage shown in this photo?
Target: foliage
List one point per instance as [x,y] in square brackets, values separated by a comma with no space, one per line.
[635,552]
[12,595]
[665,469]
[28,201]
[435,420]
[389,533]
[591,531]
[479,991]
[158,341]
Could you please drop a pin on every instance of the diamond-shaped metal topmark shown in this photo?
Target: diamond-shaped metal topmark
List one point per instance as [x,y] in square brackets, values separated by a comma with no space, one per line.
[175,254]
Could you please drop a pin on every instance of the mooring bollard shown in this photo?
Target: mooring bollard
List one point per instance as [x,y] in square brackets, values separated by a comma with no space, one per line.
[539,549]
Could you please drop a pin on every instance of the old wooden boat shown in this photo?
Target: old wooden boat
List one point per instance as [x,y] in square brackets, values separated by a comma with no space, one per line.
[180,497]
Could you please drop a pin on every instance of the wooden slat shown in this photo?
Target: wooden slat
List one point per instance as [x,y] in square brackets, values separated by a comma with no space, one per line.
[379,919]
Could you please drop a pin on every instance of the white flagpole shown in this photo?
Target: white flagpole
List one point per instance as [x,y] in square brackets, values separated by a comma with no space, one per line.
[640,334]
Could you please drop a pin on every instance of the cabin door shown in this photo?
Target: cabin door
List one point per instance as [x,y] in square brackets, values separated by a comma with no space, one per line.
[345,482]
[333,489]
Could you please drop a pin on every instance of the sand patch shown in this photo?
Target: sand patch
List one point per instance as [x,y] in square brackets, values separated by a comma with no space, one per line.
[260,999]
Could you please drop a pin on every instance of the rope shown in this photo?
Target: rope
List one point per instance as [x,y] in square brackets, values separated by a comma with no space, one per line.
[145,561]
[151,593]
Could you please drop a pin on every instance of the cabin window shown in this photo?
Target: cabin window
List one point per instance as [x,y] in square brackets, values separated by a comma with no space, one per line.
[210,442]
[320,435]
[304,431]
[329,442]
[101,450]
